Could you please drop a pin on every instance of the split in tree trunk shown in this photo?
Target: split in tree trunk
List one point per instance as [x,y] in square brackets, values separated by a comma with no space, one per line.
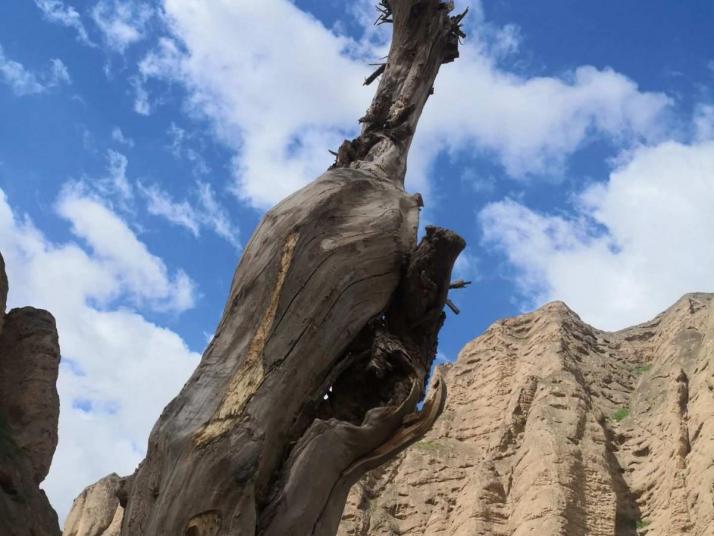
[327,338]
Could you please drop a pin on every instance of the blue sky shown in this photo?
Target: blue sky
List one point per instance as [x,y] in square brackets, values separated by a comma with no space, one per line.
[140,142]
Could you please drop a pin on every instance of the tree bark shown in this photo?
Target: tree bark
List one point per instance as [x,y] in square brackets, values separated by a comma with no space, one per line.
[326,341]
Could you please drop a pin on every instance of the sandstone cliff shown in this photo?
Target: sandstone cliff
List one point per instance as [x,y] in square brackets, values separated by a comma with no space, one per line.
[555,428]
[29,410]
[96,512]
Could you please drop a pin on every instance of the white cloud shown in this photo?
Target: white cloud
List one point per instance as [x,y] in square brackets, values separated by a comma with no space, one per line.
[178,138]
[206,211]
[117,180]
[142,105]
[159,203]
[704,122]
[301,96]
[285,89]
[122,22]
[480,182]
[58,74]
[111,355]
[119,137]
[114,187]
[25,82]
[215,216]
[20,80]
[637,243]
[202,211]
[142,274]
[534,124]
[182,146]
[59,13]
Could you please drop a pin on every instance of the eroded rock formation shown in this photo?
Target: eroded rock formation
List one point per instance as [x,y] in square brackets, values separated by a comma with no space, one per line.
[555,428]
[29,410]
[96,512]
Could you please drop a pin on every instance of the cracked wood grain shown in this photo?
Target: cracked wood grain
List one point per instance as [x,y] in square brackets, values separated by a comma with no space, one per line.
[326,340]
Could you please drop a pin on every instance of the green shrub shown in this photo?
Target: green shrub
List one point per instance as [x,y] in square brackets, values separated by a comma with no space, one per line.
[641,523]
[427,445]
[620,414]
[643,369]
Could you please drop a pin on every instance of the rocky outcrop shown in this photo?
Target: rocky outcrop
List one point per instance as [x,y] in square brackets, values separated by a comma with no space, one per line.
[29,410]
[555,428]
[96,512]
[29,360]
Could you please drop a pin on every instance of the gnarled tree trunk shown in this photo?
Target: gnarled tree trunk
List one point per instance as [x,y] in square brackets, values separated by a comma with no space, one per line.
[327,338]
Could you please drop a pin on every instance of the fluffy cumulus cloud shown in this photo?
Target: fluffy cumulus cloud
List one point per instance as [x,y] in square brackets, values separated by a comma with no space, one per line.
[144,276]
[534,124]
[282,90]
[26,82]
[111,355]
[281,134]
[531,125]
[122,23]
[635,245]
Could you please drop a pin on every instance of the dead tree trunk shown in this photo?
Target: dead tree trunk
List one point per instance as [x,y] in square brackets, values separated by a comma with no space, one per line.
[327,338]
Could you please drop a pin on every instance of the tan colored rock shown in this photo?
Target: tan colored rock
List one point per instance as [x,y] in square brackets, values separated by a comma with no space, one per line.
[96,512]
[29,411]
[555,428]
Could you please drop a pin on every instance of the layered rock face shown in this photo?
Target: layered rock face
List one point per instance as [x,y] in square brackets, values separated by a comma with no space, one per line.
[555,428]
[29,410]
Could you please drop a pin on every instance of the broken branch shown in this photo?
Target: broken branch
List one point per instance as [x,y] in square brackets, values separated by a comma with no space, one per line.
[371,78]
[452,306]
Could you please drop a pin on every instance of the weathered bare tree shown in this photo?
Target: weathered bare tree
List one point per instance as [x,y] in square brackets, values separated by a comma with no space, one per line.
[321,357]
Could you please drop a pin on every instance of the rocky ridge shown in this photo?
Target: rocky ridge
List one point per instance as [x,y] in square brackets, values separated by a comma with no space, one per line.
[29,411]
[554,428]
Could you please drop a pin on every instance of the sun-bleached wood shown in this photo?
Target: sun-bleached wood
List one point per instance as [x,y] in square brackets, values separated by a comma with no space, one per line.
[327,338]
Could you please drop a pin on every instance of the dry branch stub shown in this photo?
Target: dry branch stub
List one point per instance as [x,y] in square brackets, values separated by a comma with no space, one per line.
[326,340]
[425,36]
